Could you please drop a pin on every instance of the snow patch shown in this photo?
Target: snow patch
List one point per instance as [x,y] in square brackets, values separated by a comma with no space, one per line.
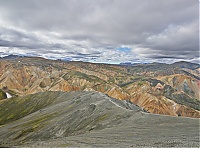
[8,95]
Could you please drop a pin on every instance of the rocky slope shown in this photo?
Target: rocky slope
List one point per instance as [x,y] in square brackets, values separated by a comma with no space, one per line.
[89,119]
[158,88]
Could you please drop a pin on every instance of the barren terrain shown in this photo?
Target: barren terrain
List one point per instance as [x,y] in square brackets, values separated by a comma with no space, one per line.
[90,119]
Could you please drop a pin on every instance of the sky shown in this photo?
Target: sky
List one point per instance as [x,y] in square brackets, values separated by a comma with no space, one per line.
[101,31]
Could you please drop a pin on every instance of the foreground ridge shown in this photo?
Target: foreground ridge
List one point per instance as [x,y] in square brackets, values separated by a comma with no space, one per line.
[89,119]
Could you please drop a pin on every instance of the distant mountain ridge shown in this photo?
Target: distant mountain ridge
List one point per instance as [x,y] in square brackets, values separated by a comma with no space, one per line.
[170,89]
[12,56]
[180,64]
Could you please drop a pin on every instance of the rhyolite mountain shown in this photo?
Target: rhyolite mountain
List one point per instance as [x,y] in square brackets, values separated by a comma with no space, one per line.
[169,89]
[89,119]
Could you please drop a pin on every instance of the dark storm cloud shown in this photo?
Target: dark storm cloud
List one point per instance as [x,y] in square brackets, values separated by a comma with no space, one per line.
[14,38]
[153,29]
[95,54]
[155,56]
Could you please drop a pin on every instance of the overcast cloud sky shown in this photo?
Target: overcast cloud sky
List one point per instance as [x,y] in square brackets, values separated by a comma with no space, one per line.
[111,31]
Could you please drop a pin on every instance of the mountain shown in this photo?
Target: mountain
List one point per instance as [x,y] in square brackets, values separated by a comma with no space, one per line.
[11,57]
[169,89]
[89,119]
[184,64]
[126,63]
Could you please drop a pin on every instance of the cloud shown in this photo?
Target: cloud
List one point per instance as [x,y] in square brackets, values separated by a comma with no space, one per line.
[99,30]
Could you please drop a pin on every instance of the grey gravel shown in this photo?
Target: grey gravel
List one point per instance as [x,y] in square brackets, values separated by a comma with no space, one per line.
[92,119]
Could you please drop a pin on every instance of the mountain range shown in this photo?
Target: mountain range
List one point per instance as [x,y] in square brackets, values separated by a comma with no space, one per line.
[55,103]
[169,89]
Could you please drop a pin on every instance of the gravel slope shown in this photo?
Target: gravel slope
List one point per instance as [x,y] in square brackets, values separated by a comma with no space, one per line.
[92,119]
